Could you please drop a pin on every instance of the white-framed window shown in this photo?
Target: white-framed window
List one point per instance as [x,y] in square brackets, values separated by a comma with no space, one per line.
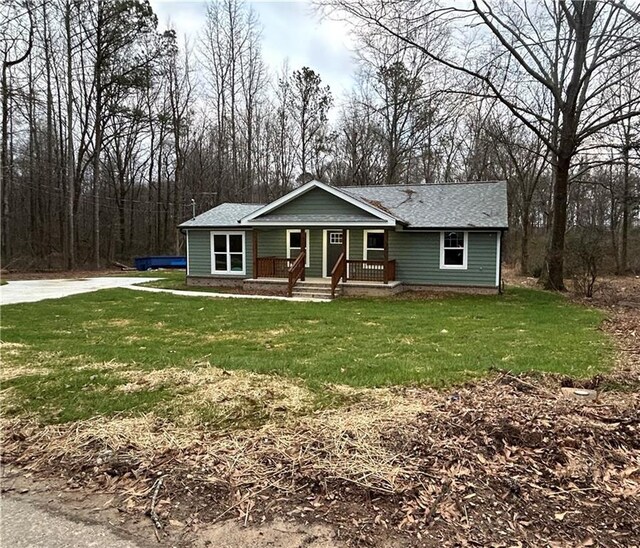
[454,250]
[294,243]
[227,253]
[335,238]
[373,245]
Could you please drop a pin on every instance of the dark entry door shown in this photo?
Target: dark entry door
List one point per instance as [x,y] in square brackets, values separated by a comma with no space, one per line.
[334,248]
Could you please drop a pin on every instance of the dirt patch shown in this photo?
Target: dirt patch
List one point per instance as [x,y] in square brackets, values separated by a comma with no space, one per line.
[224,397]
[508,458]
[231,534]
[9,372]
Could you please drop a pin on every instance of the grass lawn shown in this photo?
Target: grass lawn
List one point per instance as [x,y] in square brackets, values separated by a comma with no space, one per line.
[76,357]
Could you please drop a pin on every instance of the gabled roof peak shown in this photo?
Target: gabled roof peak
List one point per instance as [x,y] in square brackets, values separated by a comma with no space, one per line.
[384,216]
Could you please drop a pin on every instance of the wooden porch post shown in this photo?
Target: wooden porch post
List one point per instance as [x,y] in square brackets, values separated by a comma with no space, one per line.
[255,252]
[386,257]
[344,251]
[303,249]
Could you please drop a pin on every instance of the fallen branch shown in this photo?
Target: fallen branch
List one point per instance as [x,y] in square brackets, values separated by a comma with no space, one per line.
[157,524]
[122,266]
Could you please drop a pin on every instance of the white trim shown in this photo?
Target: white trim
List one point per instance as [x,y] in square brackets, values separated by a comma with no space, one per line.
[322,223]
[308,257]
[498,241]
[365,233]
[310,186]
[465,252]
[243,272]
[186,233]
[326,274]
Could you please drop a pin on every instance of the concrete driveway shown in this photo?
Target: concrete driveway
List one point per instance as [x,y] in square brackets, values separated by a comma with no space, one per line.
[30,291]
[26,526]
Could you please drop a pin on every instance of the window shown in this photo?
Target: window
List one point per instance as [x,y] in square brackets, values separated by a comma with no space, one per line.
[374,245]
[227,253]
[453,250]
[294,243]
[335,238]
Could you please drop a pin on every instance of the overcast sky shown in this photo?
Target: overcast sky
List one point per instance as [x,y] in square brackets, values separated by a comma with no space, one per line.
[290,30]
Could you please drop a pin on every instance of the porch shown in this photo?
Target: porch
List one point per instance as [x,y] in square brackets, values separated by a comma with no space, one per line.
[297,268]
[321,288]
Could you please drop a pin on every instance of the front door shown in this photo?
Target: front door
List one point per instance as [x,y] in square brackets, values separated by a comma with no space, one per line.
[333,249]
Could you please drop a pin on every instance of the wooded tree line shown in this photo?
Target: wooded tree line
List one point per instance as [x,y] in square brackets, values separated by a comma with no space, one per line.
[111,127]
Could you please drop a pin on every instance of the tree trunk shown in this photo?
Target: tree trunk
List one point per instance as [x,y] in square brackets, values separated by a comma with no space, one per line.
[69,254]
[626,207]
[524,243]
[553,272]
[4,168]
[98,139]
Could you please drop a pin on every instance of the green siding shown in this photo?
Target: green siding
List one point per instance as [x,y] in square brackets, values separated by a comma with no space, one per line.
[200,254]
[417,258]
[417,255]
[272,242]
[199,242]
[319,202]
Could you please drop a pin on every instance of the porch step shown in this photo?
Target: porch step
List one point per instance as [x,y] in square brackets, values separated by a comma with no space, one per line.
[314,290]
[321,284]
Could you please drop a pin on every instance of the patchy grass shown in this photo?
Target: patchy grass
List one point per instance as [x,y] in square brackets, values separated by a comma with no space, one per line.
[117,351]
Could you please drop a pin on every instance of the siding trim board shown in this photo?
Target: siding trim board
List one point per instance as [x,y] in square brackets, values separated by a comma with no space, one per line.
[187,248]
[498,257]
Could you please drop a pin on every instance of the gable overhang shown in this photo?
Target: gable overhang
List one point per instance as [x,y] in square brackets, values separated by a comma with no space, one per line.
[384,219]
[326,224]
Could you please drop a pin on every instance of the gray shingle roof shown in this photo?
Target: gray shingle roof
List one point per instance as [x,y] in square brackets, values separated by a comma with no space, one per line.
[224,215]
[449,205]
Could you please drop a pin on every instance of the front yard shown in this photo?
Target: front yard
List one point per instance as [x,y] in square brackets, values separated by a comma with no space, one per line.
[405,421]
[119,350]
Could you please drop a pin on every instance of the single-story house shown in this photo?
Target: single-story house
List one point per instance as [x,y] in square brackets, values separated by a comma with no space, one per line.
[325,241]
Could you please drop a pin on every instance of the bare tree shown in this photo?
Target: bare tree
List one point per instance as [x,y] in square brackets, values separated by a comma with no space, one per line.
[570,50]
[16,44]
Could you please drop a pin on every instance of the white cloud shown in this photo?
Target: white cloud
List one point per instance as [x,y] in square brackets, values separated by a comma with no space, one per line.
[291,30]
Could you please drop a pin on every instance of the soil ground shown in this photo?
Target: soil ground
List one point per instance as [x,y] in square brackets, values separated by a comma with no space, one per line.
[507,461]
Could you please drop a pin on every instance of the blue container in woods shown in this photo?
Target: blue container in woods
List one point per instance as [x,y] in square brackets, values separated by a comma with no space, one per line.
[150,263]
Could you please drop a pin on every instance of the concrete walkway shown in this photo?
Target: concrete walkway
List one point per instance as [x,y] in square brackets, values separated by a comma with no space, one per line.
[226,295]
[24,525]
[31,291]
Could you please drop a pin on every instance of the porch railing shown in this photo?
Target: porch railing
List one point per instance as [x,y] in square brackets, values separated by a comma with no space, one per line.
[339,271]
[371,271]
[380,271]
[272,267]
[296,272]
